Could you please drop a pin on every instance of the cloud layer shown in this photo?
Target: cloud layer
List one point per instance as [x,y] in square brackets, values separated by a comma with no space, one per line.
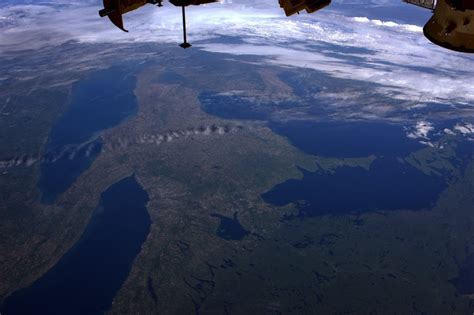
[116,144]
[394,56]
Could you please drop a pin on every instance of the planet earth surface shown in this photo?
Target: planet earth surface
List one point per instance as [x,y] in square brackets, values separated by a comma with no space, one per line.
[315,164]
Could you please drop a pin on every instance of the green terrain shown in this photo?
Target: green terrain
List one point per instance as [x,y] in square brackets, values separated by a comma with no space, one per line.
[383,262]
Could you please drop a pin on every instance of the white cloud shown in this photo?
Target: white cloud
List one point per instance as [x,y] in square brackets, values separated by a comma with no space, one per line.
[395,57]
[407,27]
[449,132]
[465,129]
[421,130]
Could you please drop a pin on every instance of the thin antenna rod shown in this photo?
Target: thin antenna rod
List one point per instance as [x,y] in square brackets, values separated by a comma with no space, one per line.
[185,44]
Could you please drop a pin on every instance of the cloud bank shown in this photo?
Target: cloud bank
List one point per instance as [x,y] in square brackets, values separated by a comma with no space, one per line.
[121,143]
[394,56]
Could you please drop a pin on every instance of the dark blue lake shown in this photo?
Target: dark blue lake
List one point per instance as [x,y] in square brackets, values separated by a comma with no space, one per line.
[59,173]
[238,107]
[347,139]
[465,280]
[87,278]
[100,101]
[388,185]
[230,228]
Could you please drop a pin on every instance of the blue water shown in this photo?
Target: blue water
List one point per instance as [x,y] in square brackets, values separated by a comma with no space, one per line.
[230,228]
[58,175]
[101,101]
[388,185]
[347,139]
[304,86]
[87,278]
[238,107]
[464,282]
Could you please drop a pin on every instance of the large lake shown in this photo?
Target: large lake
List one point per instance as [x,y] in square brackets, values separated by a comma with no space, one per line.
[87,278]
[238,107]
[464,282]
[230,228]
[389,184]
[348,139]
[100,101]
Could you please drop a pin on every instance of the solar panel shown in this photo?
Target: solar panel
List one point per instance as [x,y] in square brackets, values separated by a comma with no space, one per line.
[428,4]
